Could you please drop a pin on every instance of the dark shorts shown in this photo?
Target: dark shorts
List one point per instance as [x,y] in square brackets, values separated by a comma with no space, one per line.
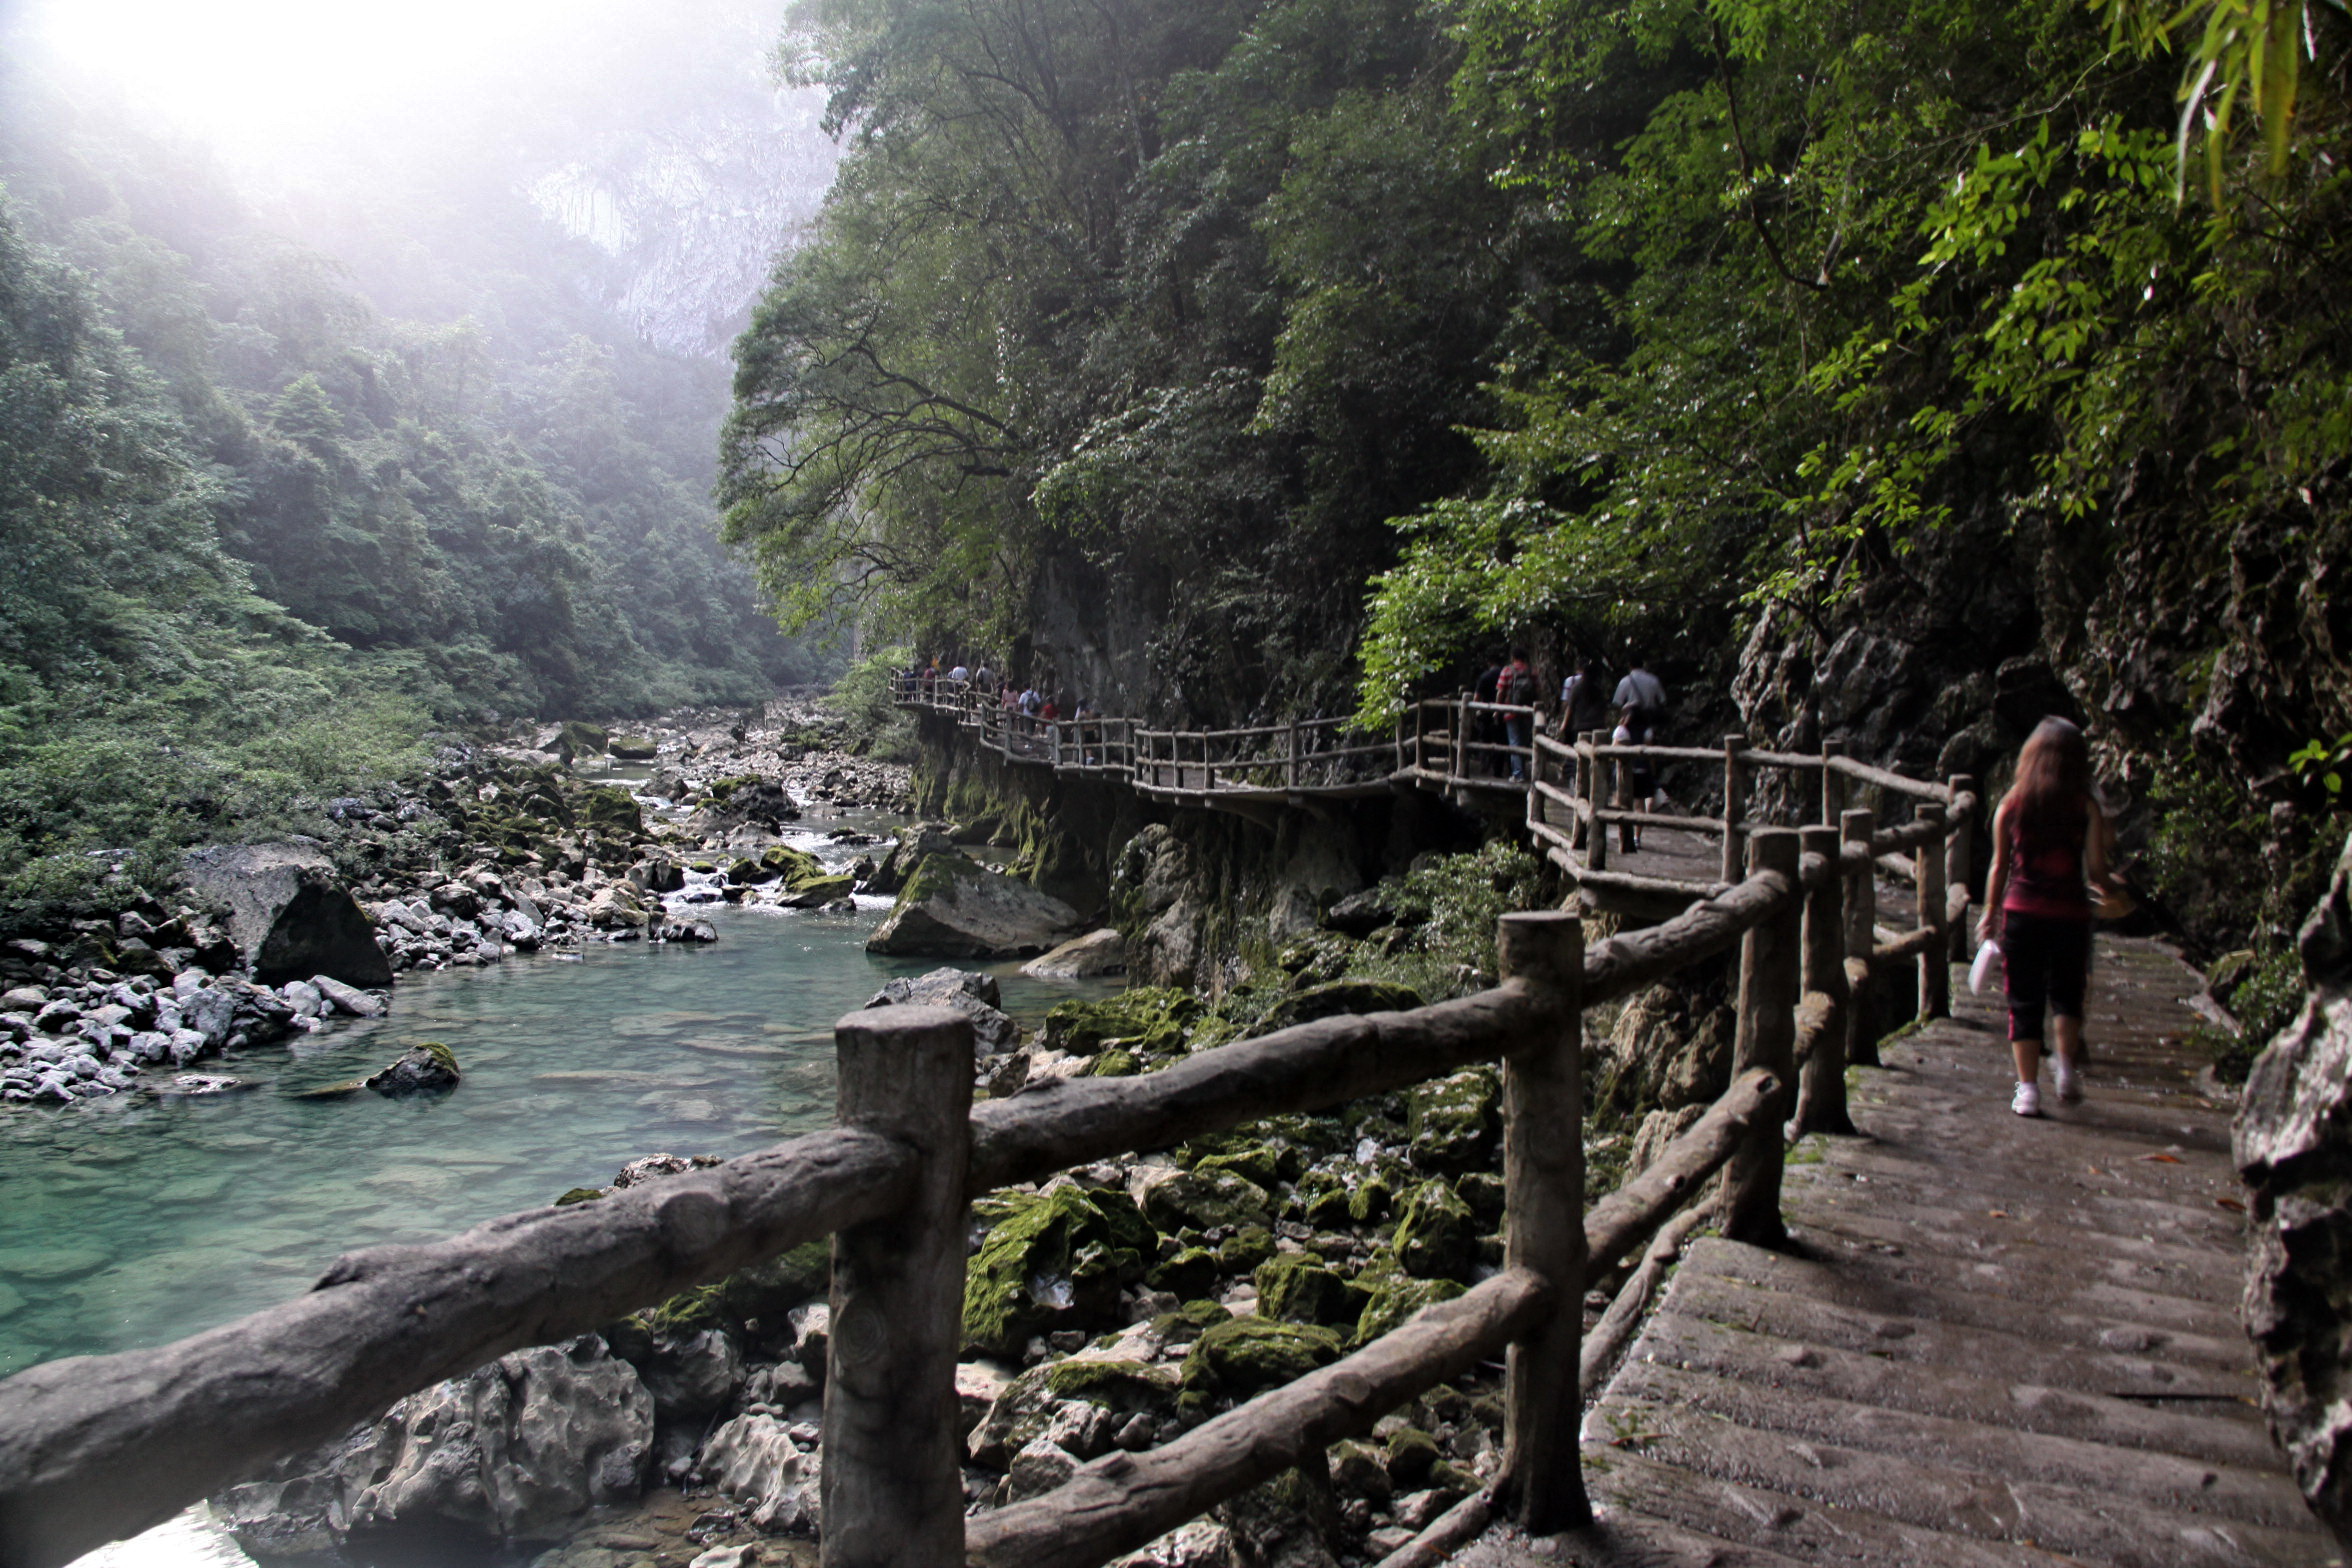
[2046,964]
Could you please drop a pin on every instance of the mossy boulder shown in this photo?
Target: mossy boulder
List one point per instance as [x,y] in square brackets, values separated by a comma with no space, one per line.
[748,872]
[609,810]
[1370,1202]
[1057,1260]
[794,866]
[577,738]
[1322,1200]
[1113,1064]
[1257,1165]
[1436,1234]
[1189,1319]
[1148,1021]
[1393,1299]
[1412,1454]
[1456,1122]
[633,748]
[427,1067]
[1298,1288]
[1199,1200]
[1114,1384]
[1192,1271]
[1336,997]
[1246,1356]
[817,892]
[1245,1249]
[781,1283]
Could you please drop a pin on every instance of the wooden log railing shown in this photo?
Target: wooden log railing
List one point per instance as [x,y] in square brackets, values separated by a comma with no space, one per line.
[99,1447]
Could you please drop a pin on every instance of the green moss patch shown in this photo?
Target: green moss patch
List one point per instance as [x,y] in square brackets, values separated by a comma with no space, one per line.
[1056,1259]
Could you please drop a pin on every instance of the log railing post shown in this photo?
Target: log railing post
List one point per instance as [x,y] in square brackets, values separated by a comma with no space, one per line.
[1833,784]
[1770,958]
[1208,767]
[1603,772]
[893,1489]
[1461,737]
[1859,826]
[1735,800]
[1290,758]
[1053,740]
[1542,1481]
[1956,871]
[1821,1084]
[1935,964]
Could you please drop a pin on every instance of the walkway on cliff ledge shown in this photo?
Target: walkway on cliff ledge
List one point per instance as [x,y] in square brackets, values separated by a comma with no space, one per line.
[1991,1340]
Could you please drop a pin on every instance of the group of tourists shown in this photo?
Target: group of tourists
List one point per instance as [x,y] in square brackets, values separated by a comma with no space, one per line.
[1631,713]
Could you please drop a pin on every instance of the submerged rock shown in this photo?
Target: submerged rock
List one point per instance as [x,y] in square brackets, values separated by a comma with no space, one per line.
[952,907]
[289,915]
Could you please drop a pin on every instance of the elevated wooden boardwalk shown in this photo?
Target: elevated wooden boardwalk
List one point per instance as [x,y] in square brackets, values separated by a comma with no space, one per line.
[1990,1341]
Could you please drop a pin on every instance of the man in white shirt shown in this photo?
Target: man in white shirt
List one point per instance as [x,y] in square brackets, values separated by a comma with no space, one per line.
[1645,692]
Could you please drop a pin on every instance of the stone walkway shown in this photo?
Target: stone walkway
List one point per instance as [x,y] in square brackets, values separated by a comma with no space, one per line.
[1994,1341]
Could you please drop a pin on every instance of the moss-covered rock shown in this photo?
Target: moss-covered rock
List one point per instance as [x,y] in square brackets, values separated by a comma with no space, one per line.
[1336,997]
[1205,1200]
[1456,1122]
[1299,1288]
[780,1283]
[577,738]
[1370,1202]
[817,892]
[1058,1259]
[1192,1317]
[1191,1272]
[576,1195]
[1245,1249]
[747,872]
[1360,1470]
[633,748]
[1324,1205]
[1393,1299]
[610,810]
[792,865]
[1246,1356]
[1028,1405]
[1257,1165]
[1412,1454]
[1483,1191]
[1113,1063]
[1148,1021]
[1116,1385]
[1436,1234]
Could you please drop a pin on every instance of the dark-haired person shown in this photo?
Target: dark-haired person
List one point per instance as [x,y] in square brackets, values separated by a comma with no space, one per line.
[2050,845]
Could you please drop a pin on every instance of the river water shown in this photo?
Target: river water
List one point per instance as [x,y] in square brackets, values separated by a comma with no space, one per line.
[134,1221]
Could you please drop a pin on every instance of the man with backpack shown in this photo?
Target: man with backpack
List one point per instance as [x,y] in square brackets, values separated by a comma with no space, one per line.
[1646,695]
[1516,685]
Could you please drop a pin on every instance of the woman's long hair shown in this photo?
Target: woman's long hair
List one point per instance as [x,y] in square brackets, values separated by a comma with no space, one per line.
[2053,777]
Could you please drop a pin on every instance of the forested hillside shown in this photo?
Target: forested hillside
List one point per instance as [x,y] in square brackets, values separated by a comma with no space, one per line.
[1894,372]
[260,536]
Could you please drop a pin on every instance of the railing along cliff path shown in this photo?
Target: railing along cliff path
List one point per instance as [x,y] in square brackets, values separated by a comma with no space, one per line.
[97,1447]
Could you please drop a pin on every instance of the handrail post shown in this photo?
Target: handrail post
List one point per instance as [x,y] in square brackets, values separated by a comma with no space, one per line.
[1770,955]
[1821,1085]
[893,1489]
[1542,1480]
[1858,826]
[1602,772]
[1208,768]
[1461,738]
[1935,964]
[1956,862]
[1290,758]
[1833,784]
[1053,741]
[1735,801]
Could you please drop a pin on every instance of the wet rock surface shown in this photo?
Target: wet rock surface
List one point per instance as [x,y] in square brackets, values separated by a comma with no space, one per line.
[953,907]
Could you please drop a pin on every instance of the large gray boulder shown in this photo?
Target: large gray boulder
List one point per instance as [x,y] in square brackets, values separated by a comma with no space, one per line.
[969,992]
[519,1450]
[2293,1142]
[1088,957]
[952,907]
[288,913]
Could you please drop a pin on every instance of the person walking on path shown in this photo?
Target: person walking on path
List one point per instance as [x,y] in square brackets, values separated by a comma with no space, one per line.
[2051,840]
[1582,707]
[1483,728]
[1516,685]
[1646,694]
[1640,780]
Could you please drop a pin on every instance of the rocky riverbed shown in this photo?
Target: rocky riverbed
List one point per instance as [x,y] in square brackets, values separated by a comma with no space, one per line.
[554,838]
[1112,1307]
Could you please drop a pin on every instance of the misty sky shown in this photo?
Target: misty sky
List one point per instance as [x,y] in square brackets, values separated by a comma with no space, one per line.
[651,127]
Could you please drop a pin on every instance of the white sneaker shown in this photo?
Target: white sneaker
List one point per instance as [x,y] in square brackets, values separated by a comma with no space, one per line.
[2067,1080]
[2027,1101]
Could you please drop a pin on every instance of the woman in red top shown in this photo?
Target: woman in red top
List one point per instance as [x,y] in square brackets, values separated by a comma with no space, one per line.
[2050,841]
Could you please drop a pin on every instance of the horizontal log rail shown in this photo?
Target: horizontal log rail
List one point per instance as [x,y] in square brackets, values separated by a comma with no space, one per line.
[97,1447]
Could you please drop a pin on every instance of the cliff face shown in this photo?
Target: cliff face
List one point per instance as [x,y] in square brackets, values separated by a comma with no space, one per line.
[1204,898]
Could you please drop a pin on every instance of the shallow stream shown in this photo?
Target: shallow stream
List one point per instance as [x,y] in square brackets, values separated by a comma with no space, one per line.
[134,1221]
